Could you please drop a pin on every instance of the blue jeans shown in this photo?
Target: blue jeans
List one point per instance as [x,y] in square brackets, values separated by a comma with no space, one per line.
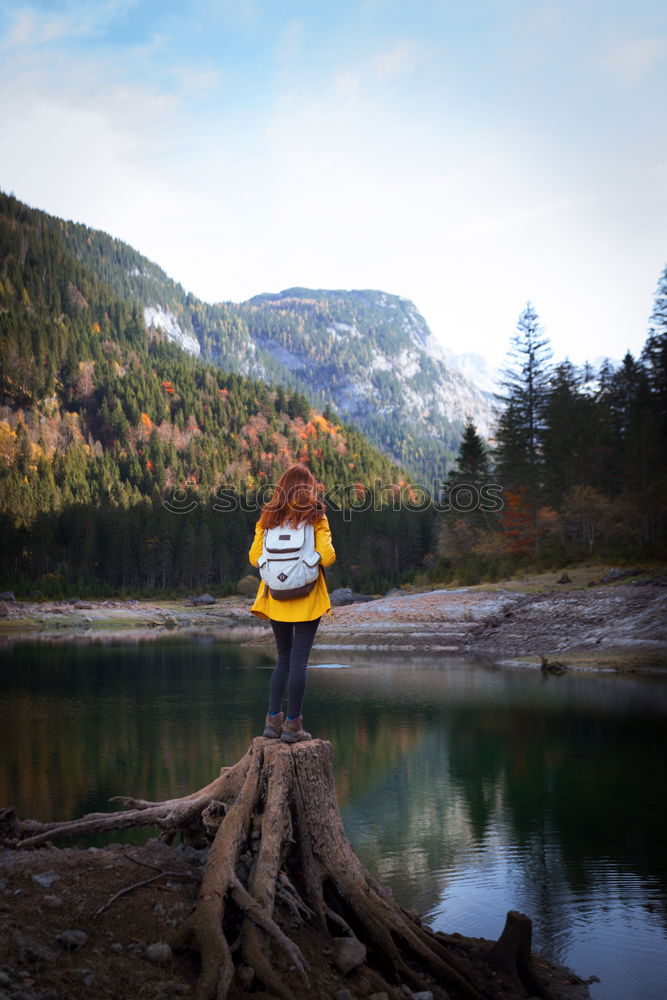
[294,641]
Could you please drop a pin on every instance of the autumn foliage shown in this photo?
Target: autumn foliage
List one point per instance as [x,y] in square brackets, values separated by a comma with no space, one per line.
[517,523]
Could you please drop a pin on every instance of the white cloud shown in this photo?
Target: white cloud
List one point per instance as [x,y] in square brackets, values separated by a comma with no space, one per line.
[81,140]
[401,57]
[631,60]
[290,42]
[194,81]
[32,26]
[246,14]
[94,179]
[27,28]
[353,80]
[332,185]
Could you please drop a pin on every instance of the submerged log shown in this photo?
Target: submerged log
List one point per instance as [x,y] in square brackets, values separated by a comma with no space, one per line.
[279,861]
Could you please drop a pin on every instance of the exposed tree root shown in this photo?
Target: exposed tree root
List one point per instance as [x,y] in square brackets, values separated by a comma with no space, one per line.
[280,860]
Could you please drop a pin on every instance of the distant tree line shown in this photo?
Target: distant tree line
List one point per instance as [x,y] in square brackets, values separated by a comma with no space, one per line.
[581,455]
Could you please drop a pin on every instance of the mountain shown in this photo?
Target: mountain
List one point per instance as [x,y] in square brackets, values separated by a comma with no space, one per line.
[373,356]
[125,459]
[367,355]
[476,369]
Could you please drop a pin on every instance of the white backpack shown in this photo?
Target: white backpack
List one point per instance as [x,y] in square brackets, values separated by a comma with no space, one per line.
[289,564]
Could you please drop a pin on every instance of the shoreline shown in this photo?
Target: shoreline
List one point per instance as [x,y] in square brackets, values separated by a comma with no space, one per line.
[58,939]
[613,627]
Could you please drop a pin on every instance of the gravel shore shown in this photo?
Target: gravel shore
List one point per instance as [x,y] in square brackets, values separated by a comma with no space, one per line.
[617,627]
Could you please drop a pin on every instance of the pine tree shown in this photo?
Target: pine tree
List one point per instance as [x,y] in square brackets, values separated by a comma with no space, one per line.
[520,433]
[654,358]
[573,435]
[281,400]
[472,465]
[298,406]
[464,483]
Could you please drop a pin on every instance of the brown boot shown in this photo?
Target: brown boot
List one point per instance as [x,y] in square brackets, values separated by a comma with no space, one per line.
[273,726]
[293,731]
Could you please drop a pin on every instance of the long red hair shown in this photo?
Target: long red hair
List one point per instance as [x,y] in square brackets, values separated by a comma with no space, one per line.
[294,501]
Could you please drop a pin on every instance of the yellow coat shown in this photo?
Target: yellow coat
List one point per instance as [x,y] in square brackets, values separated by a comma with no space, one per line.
[299,609]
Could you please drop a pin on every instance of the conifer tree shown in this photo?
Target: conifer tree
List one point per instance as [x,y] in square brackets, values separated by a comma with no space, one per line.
[654,358]
[573,435]
[472,465]
[466,480]
[520,433]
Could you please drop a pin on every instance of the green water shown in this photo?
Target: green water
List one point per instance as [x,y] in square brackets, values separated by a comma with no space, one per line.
[470,790]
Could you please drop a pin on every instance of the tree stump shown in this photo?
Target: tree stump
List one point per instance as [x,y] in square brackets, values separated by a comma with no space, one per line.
[279,861]
[513,954]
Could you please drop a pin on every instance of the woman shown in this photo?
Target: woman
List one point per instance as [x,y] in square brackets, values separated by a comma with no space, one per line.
[294,621]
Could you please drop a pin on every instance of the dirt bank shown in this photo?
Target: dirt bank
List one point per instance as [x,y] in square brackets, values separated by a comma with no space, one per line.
[54,947]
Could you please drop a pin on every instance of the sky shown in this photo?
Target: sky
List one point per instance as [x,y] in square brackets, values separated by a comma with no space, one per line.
[471,156]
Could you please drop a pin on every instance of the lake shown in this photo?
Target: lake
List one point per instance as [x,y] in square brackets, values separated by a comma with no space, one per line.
[470,789]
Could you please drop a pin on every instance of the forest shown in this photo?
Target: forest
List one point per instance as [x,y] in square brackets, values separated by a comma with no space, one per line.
[118,449]
[581,455]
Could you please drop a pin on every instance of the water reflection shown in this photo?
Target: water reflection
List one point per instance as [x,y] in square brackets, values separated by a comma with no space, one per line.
[529,793]
[81,724]
[471,790]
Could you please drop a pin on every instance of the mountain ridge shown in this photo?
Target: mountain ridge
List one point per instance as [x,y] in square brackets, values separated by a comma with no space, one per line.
[366,354]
